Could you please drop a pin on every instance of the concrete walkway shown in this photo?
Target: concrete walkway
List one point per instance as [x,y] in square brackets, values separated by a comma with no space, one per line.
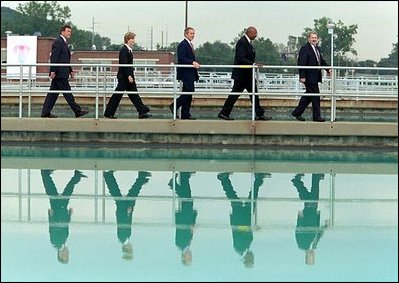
[374,134]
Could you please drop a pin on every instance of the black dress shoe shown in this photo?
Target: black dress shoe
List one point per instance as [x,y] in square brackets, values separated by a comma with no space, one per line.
[144,116]
[49,116]
[225,117]
[189,118]
[263,118]
[299,117]
[171,110]
[81,113]
[319,120]
[110,117]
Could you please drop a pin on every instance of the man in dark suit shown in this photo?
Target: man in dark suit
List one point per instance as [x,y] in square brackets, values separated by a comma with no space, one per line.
[186,55]
[124,208]
[126,82]
[308,230]
[241,215]
[244,55]
[59,215]
[59,75]
[185,215]
[310,55]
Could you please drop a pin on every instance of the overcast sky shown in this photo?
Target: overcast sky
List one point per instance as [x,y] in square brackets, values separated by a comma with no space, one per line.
[216,20]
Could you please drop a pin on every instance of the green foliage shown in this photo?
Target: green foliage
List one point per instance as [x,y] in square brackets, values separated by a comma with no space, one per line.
[216,53]
[267,53]
[47,18]
[23,24]
[51,11]
[237,38]
[392,60]
[343,38]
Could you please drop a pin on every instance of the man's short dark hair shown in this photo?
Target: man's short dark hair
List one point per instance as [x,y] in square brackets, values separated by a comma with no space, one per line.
[64,27]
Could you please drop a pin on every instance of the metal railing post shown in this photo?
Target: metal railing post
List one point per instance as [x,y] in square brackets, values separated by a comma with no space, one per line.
[333,99]
[21,73]
[253,92]
[174,92]
[97,94]
[29,93]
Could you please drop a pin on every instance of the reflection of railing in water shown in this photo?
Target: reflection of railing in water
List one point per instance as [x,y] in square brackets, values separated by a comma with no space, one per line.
[27,203]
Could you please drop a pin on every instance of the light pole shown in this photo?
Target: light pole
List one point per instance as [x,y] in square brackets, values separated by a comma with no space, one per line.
[186,16]
[330,27]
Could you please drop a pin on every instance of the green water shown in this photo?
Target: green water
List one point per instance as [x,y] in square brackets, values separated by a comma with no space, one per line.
[108,213]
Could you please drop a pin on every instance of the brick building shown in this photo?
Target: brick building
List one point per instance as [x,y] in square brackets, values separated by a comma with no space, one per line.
[92,56]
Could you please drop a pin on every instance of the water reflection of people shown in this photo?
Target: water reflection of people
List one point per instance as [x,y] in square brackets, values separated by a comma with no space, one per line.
[241,215]
[185,215]
[308,231]
[124,208]
[59,215]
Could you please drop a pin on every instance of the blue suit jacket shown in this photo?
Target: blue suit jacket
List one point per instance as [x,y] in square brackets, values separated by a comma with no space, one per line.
[185,55]
[307,57]
[60,53]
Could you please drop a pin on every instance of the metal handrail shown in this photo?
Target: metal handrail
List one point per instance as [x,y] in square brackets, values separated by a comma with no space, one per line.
[276,85]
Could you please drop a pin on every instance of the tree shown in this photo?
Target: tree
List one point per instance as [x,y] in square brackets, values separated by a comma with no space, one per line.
[47,18]
[51,11]
[392,60]
[343,38]
[267,53]
[237,38]
[216,53]
[172,47]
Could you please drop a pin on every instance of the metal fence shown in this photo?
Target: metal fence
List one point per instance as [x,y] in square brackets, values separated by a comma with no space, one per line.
[160,80]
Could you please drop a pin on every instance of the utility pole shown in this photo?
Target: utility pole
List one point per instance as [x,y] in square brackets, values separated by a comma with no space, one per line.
[166,44]
[186,17]
[152,36]
[93,47]
[162,39]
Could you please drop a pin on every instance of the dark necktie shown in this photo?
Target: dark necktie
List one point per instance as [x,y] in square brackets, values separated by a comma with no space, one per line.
[317,54]
[192,47]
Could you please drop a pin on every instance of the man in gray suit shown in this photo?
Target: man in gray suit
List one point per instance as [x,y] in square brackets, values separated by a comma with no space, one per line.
[310,55]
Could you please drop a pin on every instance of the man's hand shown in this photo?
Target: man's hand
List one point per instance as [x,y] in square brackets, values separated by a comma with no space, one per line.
[52,75]
[302,80]
[72,74]
[196,65]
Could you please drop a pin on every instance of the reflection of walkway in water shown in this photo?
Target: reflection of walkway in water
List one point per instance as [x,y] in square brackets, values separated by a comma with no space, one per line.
[24,223]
